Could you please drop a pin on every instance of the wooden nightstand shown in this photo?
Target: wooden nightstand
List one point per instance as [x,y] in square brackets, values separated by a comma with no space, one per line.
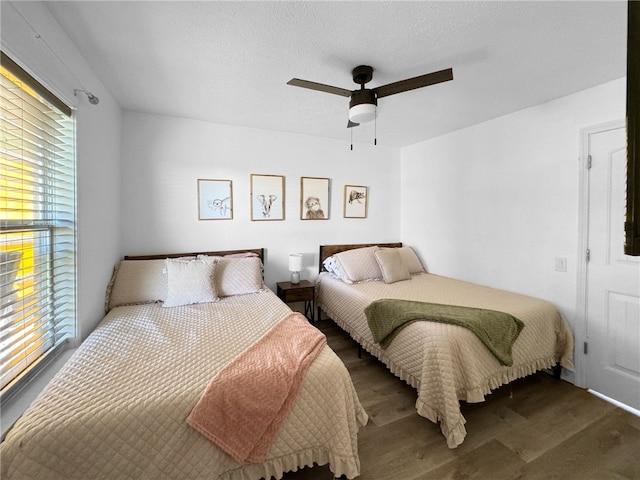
[305,291]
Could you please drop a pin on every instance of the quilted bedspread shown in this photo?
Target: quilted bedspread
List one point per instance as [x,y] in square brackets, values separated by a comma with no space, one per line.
[448,363]
[117,409]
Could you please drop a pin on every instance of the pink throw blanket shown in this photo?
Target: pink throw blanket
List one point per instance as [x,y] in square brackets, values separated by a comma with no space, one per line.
[245,404]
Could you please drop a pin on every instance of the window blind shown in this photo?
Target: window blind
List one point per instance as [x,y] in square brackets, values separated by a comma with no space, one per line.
[37,226]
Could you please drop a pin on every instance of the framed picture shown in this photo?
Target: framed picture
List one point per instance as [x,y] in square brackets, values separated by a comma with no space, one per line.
[356,198]
[267,197]
[314,198]
[215,199]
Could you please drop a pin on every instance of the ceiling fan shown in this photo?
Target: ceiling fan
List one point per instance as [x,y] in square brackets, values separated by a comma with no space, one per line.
[363,102]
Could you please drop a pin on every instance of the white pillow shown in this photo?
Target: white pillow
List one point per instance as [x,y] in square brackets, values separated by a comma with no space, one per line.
[392,265]
[136,282]
[411,260]
[238,276]
[359,265]
[190,281]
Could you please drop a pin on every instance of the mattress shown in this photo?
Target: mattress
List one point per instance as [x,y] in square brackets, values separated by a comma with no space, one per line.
[117,409]
[448,363]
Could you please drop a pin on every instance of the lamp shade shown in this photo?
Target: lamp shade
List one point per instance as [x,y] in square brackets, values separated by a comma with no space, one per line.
[362,113]
[295,262]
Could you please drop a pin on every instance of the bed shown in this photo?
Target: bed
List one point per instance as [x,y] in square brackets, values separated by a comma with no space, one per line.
[117,409]
[445,363]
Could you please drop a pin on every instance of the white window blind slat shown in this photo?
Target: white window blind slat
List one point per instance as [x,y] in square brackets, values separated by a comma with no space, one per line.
[28,107]
[26,156]
[30,127]
[21,99]
[37,226]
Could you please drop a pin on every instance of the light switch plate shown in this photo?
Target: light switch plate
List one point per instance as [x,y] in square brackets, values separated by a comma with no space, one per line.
[561,264]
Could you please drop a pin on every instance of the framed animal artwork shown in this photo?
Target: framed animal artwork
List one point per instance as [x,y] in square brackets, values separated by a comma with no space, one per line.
[267,197]
[356,199]
[215,199]
[314,198]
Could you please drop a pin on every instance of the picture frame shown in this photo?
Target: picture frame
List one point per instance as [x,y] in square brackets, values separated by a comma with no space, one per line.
[267,197]
[314,198]
[356,200]
[215,199]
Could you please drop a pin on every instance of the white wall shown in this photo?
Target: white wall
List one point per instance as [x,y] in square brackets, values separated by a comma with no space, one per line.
[164,156]
[497,202]
[56,62]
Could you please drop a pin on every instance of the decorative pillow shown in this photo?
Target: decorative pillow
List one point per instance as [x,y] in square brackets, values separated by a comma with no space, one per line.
[136,282]
[332,266]
[238,276]
[411,260]
[359,265]
[190,281]
[392,265]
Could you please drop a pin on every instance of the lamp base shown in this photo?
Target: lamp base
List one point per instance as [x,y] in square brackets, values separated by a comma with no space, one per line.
[295,278]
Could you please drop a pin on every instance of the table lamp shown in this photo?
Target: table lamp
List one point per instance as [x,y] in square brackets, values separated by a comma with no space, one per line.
[295,265]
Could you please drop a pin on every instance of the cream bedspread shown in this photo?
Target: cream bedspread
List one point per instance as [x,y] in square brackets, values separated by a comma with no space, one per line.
[117,409]
[447,363]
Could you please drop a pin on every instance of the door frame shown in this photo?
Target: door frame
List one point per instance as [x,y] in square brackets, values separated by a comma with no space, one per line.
[580,328]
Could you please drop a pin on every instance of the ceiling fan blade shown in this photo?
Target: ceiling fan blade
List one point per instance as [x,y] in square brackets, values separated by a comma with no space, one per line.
[321,87]
[413,83]
[351,124]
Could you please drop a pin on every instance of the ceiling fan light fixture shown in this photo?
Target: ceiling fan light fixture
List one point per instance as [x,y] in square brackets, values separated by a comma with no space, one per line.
[362,106]
[362,113]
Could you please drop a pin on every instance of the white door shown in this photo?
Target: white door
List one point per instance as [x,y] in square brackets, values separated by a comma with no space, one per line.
[613,278]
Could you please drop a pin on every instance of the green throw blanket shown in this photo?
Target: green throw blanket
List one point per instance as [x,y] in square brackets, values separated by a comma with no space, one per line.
[497,330]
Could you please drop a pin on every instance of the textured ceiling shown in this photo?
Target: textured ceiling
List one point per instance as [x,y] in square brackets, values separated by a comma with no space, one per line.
[229,62]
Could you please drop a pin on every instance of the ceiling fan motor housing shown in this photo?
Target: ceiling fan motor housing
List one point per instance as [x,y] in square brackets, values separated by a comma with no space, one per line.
[362,106]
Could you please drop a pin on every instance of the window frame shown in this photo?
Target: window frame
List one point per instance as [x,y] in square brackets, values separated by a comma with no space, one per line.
[48,222]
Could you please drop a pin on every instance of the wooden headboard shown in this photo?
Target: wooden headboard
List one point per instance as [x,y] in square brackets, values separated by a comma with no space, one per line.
[327,250]
[257,251]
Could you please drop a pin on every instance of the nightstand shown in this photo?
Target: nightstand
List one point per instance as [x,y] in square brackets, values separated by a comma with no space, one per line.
[305,291]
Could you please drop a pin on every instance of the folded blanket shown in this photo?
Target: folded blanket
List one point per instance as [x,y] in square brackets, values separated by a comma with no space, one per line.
[245,404]
[497,330]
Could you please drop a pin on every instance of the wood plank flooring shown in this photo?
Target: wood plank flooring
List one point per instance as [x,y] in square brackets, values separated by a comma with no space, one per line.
[535,428]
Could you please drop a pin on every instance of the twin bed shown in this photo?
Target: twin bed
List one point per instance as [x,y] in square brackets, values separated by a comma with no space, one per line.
[118,408]
[445,363]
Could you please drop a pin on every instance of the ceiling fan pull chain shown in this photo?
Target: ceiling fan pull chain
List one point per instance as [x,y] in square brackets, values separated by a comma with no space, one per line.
[351,139]
[375,129]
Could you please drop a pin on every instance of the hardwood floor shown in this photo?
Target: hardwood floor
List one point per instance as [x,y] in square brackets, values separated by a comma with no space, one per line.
[535,428]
